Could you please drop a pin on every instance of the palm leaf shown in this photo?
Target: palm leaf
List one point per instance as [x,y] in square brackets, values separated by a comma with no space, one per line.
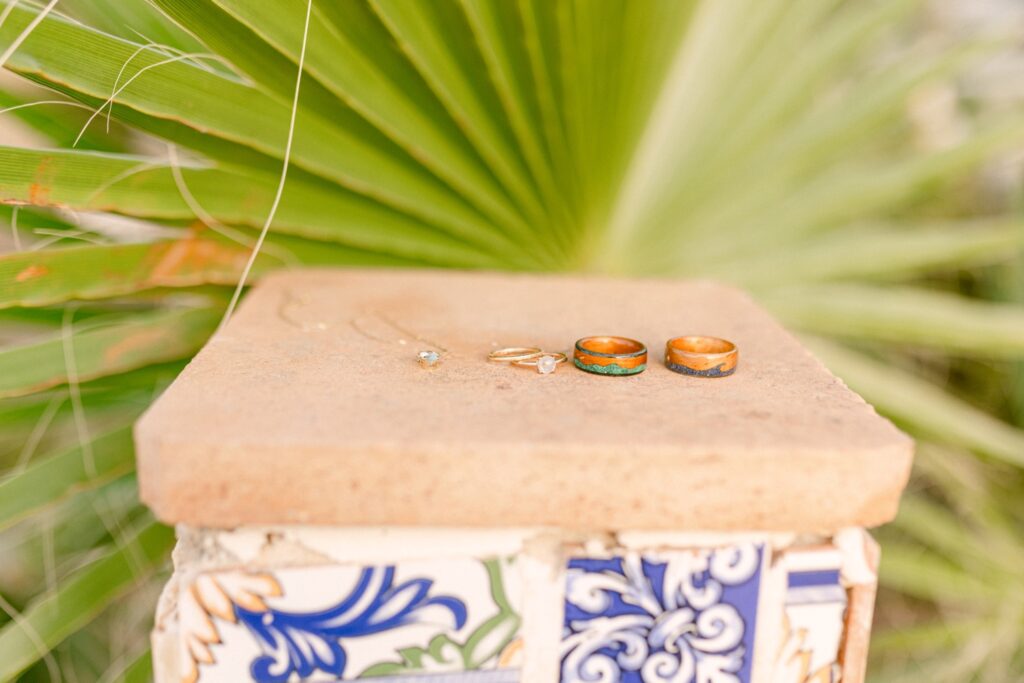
[105,347]
[50,480]
[179,91]
[906,316]
[148,188]
[50,619]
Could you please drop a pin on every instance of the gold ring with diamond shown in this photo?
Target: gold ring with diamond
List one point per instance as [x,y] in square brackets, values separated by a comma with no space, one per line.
[545,363]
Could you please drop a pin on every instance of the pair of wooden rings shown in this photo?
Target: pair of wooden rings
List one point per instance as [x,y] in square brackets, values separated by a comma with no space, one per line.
[693,355]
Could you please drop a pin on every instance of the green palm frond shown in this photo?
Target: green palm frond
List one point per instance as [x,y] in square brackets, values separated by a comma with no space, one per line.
[766,144]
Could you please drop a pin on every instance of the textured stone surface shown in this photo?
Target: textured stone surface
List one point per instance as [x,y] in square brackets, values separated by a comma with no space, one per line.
[309,408]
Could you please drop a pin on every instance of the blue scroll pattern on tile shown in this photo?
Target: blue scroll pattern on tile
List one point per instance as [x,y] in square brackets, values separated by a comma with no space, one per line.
[296,643]
[662,618]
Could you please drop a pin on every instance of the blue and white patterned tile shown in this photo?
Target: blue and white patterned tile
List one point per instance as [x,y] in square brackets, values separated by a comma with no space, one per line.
[443,621]
[813,617]
[663,617]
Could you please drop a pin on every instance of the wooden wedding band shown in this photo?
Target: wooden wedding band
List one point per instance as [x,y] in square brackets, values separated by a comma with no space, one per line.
[701,356]
[610,355]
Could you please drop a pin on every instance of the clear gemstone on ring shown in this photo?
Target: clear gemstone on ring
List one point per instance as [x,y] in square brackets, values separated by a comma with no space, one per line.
[546,365]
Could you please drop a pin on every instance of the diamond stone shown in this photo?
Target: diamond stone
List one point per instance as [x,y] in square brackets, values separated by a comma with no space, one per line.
[546,365]
[429,359]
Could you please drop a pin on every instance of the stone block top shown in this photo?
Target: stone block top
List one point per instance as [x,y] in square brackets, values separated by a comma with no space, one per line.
[310,407]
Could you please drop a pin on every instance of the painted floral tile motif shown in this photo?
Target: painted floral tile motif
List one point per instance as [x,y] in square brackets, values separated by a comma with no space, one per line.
[444,621]
[813,621]
[679,617]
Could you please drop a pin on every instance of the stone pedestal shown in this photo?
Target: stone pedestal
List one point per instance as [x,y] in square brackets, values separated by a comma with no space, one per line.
[345,513]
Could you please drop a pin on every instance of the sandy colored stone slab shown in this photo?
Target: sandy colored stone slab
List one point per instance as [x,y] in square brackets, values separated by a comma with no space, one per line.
[310,407]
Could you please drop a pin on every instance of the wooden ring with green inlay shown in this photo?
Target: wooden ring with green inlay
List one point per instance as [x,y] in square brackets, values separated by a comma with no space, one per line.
[607,355]
[699,356]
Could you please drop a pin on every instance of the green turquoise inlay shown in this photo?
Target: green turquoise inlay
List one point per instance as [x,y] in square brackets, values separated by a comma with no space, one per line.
[611,369]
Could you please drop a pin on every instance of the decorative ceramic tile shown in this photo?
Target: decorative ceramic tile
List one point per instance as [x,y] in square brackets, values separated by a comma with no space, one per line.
[813,621]
[444,621]
[679,617]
